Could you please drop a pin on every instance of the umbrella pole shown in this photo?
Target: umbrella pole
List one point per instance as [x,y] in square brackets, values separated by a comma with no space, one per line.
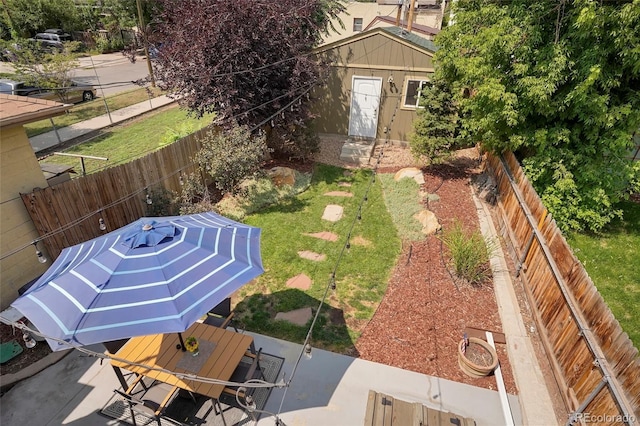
[184,349]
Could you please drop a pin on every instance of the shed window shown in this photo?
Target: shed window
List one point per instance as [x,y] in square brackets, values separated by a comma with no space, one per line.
[412,92]
[357,24]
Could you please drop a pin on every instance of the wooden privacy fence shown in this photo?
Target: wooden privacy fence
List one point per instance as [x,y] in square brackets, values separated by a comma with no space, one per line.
[594,361]
[68,213]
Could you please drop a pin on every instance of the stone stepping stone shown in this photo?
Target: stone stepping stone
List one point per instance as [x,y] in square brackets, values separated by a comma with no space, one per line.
[339,194]
[429,222]
[410,172]
[299,316]
[316,257]
[300,281]
[324,235]
[332,213]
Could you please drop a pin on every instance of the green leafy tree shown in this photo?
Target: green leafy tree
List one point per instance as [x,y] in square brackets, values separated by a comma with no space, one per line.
[29,17]
[249,62]
[50,70]
[558,83]
[434,129]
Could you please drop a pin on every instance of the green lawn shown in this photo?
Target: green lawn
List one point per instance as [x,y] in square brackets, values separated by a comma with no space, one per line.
[361,271]
[613,263]
[125,143]
[86,110]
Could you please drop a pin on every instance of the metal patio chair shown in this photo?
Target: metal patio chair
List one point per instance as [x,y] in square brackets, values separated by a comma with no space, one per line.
[221,315]
[153,400]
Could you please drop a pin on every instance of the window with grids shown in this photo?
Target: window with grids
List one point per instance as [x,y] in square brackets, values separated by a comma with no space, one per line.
[412,92]
[357,24]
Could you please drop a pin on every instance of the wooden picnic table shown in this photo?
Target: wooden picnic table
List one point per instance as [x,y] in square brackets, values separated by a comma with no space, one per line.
[221,349]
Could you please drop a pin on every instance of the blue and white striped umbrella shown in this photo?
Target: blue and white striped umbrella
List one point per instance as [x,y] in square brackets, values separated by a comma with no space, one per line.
[155,275]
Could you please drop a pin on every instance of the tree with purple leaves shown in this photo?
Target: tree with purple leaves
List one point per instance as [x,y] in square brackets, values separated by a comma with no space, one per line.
[249,61]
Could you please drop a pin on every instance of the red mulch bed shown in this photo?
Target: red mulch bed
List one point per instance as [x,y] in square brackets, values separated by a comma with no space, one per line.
[27,357]
[424,313]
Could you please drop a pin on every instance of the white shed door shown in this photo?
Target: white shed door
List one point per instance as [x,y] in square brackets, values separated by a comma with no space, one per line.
[365,102]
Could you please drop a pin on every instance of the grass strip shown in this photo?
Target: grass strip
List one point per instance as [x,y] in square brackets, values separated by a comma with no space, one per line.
[612,260]
[124,143]
[95,108]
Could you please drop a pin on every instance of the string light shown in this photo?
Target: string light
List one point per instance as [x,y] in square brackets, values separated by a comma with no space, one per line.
[41,257]
[103,227]
[307,351]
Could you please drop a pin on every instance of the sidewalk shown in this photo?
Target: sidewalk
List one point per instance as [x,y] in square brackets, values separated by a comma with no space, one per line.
[63,134]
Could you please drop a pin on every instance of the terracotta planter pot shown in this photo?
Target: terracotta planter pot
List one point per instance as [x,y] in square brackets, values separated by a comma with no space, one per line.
[472,369]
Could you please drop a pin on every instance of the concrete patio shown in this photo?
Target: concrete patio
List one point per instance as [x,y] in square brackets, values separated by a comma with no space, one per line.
[328,389]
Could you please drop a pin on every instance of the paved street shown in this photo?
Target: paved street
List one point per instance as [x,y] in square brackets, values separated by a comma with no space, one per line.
[115,72]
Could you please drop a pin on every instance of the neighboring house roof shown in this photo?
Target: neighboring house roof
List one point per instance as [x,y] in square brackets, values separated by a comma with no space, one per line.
[423,29]
[428,15]
[17,110]
[396,33]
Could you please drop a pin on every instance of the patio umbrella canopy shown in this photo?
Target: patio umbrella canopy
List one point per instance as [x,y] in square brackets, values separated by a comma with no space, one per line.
[155,275]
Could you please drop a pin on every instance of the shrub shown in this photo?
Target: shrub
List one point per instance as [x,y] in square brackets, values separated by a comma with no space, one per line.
[161,203]
[469,254]
[174,134]
[194,196]
[231,156]
[294,142]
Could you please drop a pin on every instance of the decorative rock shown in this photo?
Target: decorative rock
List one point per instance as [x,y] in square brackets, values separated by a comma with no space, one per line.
[332,213]
[429,221]
[300,281]
[324,235]
[299,316]
[282,176]
[345,184]
[339,194]
[309,255]
[410,172]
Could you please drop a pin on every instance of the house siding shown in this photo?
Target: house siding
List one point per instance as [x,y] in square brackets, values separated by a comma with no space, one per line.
[20,173]
[376,55]
[370,11]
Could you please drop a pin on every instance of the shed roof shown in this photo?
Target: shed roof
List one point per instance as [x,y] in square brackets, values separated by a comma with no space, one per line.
[17,110]
[412,37]
[396,33]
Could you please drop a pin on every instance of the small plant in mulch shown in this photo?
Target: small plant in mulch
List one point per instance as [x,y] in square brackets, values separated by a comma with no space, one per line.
[469,254]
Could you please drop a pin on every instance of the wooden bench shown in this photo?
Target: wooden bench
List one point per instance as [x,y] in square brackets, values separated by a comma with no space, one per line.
[385,410]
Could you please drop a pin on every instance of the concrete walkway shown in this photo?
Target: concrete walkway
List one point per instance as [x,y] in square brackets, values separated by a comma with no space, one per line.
[62,134]
[535,400]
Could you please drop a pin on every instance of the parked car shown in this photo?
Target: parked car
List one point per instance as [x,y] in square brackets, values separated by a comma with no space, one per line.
[77,92]
[51,40]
